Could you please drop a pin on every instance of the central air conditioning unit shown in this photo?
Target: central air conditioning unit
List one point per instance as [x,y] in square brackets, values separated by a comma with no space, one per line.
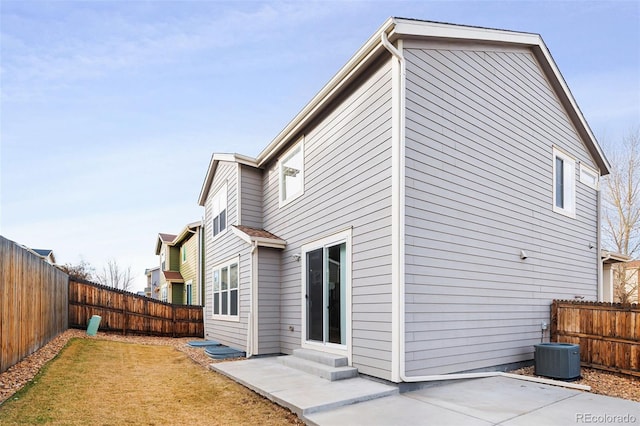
[557,360]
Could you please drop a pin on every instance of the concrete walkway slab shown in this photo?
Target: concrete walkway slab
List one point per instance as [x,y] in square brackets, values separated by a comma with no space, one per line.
[301,392]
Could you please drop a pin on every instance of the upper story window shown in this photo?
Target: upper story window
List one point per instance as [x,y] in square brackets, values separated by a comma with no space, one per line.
[291,173]
[162,260]
[564,183]
[219,211]
[183,253]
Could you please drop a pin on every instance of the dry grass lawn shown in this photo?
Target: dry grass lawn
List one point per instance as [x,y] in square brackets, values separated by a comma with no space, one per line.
[101,382]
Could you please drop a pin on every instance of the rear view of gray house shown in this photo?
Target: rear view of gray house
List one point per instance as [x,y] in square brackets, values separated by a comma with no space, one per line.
[417,217]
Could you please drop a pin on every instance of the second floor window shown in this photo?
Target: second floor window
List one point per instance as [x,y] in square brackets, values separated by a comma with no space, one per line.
[564,187]
[219,211]
[291,174]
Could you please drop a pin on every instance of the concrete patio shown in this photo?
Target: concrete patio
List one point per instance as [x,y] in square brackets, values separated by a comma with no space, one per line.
[486,401]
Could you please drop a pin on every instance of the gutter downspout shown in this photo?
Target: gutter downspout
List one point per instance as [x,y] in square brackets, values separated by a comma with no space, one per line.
[201,264]
[397,200]
[599,247]
[398,367]
[252,302]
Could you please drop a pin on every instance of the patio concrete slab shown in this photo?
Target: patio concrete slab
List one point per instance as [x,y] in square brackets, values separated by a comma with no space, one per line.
[493,398]
[487,401]
[301,392]
[391,411]
[583,408]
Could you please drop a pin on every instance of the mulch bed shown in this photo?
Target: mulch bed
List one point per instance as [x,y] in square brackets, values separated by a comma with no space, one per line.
[602,382]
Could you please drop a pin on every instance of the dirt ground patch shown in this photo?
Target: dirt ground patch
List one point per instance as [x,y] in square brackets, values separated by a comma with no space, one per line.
[100,381]
[602,382]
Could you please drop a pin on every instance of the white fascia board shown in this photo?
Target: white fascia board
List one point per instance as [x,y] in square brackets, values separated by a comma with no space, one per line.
[243,236]
[412,28]
[578,119]
[268,242]
[236,158]
[326,94]
[213,164]
[405,27]
[188,229]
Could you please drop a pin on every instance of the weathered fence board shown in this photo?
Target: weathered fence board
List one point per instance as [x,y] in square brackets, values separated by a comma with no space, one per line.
[608,334]
[33,302]
[128,313]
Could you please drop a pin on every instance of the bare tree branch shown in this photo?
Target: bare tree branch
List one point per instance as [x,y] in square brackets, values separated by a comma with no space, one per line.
[621,227]
[82,270]
[113,275]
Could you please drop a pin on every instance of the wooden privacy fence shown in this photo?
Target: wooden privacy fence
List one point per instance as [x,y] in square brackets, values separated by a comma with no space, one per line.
[128,313]
[33,302]
[608,334]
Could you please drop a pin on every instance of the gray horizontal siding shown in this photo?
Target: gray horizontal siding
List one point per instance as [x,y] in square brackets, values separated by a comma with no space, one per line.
[269,328]
[347,184]
[251,196]
[219,249]
[481,125]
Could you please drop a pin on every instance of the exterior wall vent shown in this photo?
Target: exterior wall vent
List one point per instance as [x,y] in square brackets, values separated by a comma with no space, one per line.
[557,360]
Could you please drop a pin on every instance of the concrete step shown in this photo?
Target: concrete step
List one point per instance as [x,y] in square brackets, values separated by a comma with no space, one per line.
[318,369]
[321,357]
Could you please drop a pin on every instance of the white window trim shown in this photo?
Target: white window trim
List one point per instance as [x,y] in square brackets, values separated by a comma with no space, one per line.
[281,202]
[227,262]
[224,187]
[589,177]
[569,184]
[188,284]
[183,254]
[346,349]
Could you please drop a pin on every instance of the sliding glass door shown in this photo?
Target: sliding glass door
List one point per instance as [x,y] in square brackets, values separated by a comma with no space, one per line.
[326,298]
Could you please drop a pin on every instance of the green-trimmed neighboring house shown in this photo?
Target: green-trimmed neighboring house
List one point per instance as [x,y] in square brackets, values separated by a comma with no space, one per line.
[180,280]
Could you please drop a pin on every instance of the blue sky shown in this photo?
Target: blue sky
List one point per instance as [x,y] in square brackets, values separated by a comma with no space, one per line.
[110,110]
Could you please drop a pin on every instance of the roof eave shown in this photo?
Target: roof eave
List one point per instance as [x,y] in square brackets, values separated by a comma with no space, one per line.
[260,241]
[570,105]
[211,170]
[189,229]
[327,93]
[399,28]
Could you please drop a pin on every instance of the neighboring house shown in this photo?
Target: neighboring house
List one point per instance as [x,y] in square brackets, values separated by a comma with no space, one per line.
[631,273]
[180,273]
[611,262]
[418,216]
[45,254]
[153,282]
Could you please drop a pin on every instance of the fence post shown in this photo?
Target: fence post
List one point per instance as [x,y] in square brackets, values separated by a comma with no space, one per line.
[553,337]
[125,314]
[173,326]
